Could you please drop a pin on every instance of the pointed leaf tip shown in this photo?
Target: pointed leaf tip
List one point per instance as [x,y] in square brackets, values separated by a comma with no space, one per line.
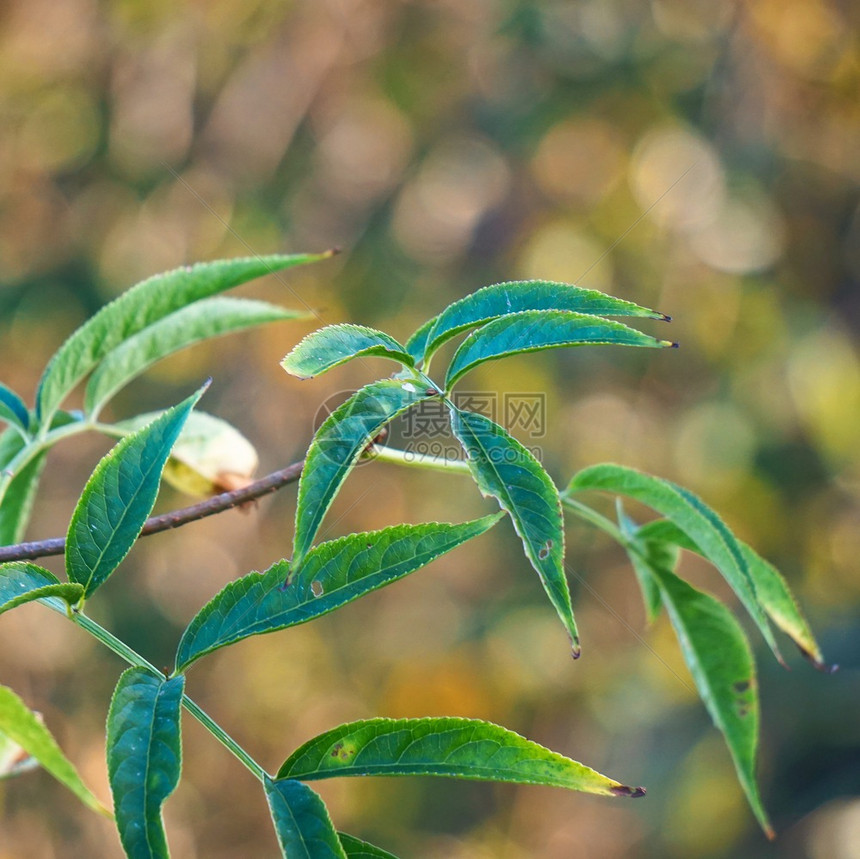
[625,790]
[576,649]
[818,664]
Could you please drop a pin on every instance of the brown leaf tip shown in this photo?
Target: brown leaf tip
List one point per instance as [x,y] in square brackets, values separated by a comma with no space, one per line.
[625,790]
[817,663]
[576,649]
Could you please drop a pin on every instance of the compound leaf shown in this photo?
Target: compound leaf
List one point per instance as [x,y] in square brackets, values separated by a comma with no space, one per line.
[689,513]
[534,330]
[446,746]
[337,445]
[504,469]
[140,307]
[22,582]
[334,345]
[332,575]
[501,299]
[302,822]
[144,757]
[118,498]
[24,727]
[200,321]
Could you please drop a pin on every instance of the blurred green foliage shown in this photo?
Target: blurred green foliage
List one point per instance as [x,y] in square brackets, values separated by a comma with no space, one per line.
[696,157]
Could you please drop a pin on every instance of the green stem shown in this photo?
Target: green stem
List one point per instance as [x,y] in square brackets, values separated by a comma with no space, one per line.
[122,650]
[219,733]
[34,448]
[419,460]
[594,518]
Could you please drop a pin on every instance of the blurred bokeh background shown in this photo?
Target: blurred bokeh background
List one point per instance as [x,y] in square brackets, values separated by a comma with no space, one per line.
[697,157]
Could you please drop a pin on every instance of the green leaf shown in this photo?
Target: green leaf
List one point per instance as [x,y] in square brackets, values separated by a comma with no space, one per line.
[446,746]
[771,588]
[13,410]
[721,663]
[355,848]
[693,517]
[17,503]
[24,727]
[118,498]
[22,582]
[302,822]
[534,330]
[332,575]
[203,320]
[644,555]
[334,345]
[337,445]
[501,299]
[140,307]
[144,757]
[503,468]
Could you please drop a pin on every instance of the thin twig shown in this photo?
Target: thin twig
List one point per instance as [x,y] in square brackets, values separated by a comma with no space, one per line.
[173,519]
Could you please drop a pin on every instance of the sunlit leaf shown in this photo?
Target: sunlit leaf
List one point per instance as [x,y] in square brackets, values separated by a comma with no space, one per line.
[24,727]
[771,588]
[446,746]
[334,345]
[13,410]
[140,307]
[514,297]
[355,848]
[691,515]
[22,582]
[302,822]
[721,663]
[144,757]
[337,445]
[535,330]
[203,320]
[332,575]
[118,498]
[210,456]
[508,472]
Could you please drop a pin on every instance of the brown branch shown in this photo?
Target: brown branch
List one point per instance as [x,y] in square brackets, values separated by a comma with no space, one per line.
[174,519]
